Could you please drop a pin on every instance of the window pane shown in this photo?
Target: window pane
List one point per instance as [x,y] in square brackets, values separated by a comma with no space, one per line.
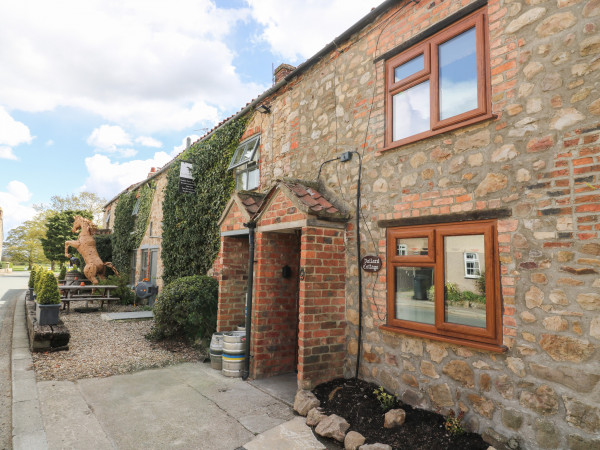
[409,68]
[412,246]
[458,74]
[411,111]
[414,298]
[252,179]
[464,295]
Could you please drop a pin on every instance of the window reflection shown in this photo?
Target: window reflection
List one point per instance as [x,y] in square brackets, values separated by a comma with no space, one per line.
[458,74]
[414,294]
[409,68]
[412,246]
[411,111]
[464,292]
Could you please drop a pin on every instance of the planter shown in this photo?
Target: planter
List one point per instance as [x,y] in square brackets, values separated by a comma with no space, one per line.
[70,278]
[47,314]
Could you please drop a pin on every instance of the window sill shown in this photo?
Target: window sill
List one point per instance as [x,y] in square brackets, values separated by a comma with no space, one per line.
[435,337]
[427,134]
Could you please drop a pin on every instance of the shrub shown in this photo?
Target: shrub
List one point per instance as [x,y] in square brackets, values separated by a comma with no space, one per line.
[63,272]
[480,283]
[32,276]
[386,401]
[49,293]
[124,292]
[187,307]
[39,275]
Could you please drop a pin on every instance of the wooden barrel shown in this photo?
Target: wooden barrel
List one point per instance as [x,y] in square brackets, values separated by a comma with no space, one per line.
[234,349]
[216,350]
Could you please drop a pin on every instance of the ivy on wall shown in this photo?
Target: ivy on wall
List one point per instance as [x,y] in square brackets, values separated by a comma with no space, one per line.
[129,229]
[191,236]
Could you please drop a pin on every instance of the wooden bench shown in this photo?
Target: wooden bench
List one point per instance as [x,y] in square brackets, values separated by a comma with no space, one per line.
[85,293]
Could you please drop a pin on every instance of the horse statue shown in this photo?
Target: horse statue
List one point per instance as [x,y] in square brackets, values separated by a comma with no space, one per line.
[86,245]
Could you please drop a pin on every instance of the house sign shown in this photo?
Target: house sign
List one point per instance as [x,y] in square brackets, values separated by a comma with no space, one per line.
[371,263]
[186,179]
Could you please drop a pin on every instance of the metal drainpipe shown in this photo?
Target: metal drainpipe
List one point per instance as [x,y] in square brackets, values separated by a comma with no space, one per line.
[251,226]
[360,299]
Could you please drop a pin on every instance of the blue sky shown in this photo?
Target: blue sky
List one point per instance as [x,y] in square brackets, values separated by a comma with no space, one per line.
[94,93]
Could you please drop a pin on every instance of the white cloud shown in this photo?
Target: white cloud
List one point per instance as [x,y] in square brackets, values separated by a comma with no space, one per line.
[109,138]
[148,141]
[12,133]
[12,203]
[301,28]
[133,62]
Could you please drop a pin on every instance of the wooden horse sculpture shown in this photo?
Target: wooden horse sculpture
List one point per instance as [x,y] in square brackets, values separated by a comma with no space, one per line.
[86,245]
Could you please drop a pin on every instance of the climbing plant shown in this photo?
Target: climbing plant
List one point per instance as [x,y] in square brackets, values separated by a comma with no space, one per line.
[129,229]
[190,232]
[121,235]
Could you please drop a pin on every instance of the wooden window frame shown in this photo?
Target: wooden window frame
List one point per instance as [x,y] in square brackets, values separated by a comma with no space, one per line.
[488,338]
[429,48]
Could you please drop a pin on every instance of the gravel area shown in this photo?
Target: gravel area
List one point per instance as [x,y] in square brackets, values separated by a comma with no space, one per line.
[98,348]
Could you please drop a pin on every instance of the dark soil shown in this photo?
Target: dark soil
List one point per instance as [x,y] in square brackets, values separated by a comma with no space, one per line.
[355,401]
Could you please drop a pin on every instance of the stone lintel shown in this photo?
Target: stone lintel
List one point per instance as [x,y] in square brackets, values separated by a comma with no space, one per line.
[298,224]
[499,213]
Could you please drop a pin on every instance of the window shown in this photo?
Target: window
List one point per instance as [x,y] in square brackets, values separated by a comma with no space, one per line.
[133,266]
[440,84]
[472,269]
[107,218]
[136,208]
[245,164]
[443,283]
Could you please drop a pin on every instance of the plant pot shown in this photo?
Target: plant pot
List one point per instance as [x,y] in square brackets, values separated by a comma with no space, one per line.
[47,314]
[70,278]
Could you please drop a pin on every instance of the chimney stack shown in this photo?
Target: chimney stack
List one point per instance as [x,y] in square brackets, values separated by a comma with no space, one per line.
[152,172]
[281,71]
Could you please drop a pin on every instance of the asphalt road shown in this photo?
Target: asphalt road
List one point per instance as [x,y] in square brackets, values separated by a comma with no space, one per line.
[12,286]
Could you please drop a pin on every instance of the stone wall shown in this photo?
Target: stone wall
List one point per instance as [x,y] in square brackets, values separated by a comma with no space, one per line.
[537,156]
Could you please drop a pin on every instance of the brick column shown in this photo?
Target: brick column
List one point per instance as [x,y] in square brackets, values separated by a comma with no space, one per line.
[232,274]
[322,306]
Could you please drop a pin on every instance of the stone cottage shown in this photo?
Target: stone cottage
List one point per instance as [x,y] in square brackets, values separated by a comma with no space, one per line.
[468,135]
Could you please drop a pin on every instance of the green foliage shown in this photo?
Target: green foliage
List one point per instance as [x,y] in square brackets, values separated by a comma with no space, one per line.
[104,247]
[58,231]
[123,291]
[63,272]
[32,276]
[453,423]
[480,283]
[187,307]
[23,243]
[49,293]
[190,233]
[386,401]
[121,236]
[129,229]
[455,295]
[39,275]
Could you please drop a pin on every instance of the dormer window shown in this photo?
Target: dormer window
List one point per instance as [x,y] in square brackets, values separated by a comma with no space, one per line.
[245,164]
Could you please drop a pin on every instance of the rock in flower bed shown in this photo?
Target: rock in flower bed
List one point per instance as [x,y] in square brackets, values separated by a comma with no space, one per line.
[354,400]
[100,349]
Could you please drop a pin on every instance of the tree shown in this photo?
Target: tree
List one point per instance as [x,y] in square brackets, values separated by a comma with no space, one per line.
[58,231]
[23,243]
[84,201]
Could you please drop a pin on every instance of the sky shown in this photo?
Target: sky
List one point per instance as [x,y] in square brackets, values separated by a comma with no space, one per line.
[95,93]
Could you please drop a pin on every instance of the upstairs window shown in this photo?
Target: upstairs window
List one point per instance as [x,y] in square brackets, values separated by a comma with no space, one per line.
[440,84]
[472,268]
[245,164]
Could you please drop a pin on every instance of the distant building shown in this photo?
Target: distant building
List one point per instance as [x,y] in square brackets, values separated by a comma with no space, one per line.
[1,233]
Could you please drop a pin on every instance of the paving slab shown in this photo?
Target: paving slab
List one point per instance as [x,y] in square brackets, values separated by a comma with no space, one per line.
[68,420]
[291,435]
[135,315]
[282,387]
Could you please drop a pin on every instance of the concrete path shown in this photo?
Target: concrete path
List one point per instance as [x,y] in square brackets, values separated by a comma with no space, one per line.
[135,315]
[188,406]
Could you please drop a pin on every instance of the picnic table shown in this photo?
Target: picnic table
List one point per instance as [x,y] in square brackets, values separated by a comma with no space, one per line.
[85,293]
